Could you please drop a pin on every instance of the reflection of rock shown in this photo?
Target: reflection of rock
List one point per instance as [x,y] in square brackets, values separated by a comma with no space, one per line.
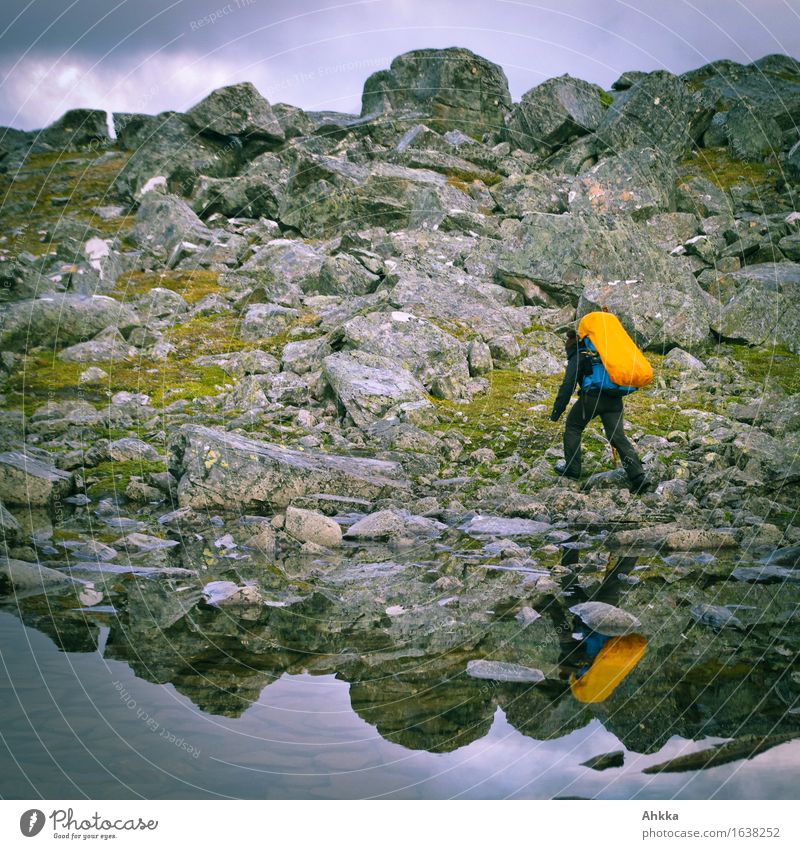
[418,713]
[722,753]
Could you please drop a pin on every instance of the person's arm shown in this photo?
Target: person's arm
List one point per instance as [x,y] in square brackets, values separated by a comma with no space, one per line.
[566,389]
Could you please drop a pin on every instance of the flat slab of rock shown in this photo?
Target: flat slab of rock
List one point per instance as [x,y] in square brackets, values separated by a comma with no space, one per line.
[512,673]
[606,619]
[498,526]
[226,471]
[21,576]
[674,538]
[31,482]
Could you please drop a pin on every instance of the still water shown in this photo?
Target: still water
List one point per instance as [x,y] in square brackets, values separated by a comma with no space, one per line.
[79,724]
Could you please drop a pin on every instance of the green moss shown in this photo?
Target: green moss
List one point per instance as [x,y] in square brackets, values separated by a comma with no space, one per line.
[605,99]
[193,286]
[775,365]
[112,477]
[498,420]
[26,196]
[719,167]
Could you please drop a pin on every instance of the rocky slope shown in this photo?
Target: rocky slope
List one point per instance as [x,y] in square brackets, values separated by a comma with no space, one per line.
[306,360]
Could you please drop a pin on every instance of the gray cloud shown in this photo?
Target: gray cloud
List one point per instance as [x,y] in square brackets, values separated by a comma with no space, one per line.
[151,55]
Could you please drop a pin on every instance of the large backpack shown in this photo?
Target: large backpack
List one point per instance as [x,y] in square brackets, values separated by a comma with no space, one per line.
[610,362]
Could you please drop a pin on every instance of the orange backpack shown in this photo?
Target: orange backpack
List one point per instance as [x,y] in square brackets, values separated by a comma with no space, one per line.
[625,363]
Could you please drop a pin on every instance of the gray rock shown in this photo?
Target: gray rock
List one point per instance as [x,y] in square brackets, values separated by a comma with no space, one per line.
[435,357]
[606,619]
[9,526]
[130,448]
[20,577]
[162,303]
[657,316]
[170,155]
[637,182]
[388,524]
[225,471]
[479,357]
[750,133]
[715,616]
[236,110]
[501,527]
[657,111]
[264,320]
[108,346]
[344,275]
[683,360]
[553,112]
[521,194]
[61,320]
[310,526]
[511,673]
[165,221]
[451,89]
[75,129]
[371,387]
[31,482]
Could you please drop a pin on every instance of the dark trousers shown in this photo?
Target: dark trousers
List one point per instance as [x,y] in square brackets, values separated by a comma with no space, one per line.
[610,411]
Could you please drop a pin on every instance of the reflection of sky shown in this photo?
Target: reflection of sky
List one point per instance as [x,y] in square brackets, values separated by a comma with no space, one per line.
[300,739]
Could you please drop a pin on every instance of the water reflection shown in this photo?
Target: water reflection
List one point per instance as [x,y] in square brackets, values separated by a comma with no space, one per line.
[405,674]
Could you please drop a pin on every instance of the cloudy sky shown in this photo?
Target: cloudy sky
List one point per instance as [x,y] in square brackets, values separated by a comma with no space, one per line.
[152,55]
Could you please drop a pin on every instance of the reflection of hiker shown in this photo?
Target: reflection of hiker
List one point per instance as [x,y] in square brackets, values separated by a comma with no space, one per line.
[591,403]
[612,660]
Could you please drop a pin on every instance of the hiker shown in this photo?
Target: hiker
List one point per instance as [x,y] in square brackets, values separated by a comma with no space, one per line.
[591,404]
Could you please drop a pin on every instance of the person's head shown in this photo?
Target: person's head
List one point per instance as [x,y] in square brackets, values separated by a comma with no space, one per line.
[571,340]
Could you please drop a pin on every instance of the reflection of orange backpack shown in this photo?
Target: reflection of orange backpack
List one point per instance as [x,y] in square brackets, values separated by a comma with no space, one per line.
[623,361]
[612,665]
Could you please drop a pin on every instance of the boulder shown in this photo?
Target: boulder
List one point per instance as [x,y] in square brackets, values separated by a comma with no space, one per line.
[108,346]
[292,264]
[75,129]
[226,471]
[451,88]
[236,110]
[509,673]
[637,182]
[554,112]
[326,196]
[18,576]
[30,481]
[170,155]
[164,221]
[343,275]
[130,448]
[751,134]
[551,258]
[265,320]
[310,526]
[432,355]
[606,619]
[520,194]
[389,524]
[765,308]
[371,387]
[61,320]
[658,111]
[657,315]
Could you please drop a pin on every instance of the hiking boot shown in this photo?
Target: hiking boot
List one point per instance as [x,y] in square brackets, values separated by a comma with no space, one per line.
[563,472]
[641,487]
